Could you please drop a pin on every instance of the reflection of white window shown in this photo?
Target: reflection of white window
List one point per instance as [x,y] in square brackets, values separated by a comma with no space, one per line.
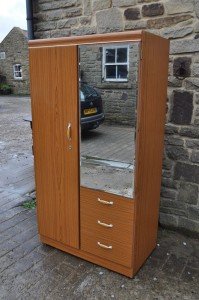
[2,55]
[17,70]
[115,63]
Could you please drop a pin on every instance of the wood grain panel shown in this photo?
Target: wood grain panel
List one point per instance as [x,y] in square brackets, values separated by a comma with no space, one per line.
[119,214]
[88,39]
[149,143]
[54,82]
[90,257]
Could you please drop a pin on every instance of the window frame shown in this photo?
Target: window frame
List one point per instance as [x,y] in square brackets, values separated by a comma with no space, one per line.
[104,64]
[14,72]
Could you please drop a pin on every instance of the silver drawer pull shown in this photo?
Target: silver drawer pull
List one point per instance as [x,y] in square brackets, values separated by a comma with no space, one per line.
[105,202]
[104,246]
[104,224]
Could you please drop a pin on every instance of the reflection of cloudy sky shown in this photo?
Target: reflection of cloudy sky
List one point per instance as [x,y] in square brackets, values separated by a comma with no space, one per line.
[12,14]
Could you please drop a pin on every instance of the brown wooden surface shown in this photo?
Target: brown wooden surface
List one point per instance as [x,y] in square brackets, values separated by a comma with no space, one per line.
[88,39]
[55,102]
[120,215]
[57,168]
[149,143]
[90,257]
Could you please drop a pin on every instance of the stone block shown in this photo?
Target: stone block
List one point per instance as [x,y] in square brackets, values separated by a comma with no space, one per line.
[171,129]
[109,20]
[181,67]
[192,84]
[167,21]
[52,5]
[87,11]
[195,157]
[44,26]
[177,153]
[168,219]
[182,107]
[132,13]
[193,213]
[178,6]
[195,70]
[192,143]
[147,1]
[196,27]
[167,164]
[132,25]
[197,98]
[196,8]
[83,30]
[188,193]
[123,3]
[188,225]
[184,46]
[152,10]
[189,131]
[100,5]
[168,193]
[174,141]
[60,33]
[176,32]
[67,23]
[174,82]
[186,172]
[169,183]
[173,211]
[196,121]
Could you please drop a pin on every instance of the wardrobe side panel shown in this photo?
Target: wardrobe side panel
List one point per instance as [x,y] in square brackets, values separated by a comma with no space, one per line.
[149,143]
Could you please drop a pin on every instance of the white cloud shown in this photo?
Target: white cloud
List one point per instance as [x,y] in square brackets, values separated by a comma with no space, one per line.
[12,14]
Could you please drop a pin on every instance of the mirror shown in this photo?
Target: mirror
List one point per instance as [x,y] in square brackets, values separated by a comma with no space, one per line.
[108,88]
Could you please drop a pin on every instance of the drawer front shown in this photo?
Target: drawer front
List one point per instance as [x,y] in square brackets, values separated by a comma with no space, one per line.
[106,228]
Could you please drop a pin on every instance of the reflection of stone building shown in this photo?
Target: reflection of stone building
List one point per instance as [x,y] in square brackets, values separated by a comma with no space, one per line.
[14,64]
[112,69]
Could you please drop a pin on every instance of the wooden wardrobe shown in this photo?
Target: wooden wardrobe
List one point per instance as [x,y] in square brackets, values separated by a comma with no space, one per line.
[68,214]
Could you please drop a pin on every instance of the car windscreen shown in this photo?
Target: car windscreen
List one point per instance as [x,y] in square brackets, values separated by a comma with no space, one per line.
[88,90]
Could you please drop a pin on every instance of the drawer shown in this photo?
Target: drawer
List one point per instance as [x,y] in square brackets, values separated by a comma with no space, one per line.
[107,220]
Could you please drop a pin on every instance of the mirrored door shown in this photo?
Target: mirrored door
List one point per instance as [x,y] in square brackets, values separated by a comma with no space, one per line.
[108,85]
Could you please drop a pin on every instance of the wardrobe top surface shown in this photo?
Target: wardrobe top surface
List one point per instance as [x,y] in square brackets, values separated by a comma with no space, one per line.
[127,36]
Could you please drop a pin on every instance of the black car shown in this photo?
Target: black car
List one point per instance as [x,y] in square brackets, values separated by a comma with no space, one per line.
[91,107]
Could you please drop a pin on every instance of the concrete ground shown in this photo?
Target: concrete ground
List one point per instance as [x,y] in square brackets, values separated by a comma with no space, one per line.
[31,270]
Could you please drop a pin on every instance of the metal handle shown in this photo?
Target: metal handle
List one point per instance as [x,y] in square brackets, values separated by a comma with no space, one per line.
[104,224]
[105,202]
[104,246]
[69,131]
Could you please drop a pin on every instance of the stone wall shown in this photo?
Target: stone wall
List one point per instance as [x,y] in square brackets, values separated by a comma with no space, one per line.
[15,46]
[119,98]
[178,21]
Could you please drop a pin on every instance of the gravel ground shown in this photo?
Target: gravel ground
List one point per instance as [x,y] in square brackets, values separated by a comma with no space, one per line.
[15,133]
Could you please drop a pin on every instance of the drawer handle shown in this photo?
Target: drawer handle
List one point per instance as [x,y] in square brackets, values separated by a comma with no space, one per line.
[105,202]
[104,246]
[104,224]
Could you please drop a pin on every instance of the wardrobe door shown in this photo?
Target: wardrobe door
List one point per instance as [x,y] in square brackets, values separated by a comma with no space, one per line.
[55,105]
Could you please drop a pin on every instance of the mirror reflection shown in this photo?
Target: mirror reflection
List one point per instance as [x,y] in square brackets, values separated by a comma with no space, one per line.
[108,94]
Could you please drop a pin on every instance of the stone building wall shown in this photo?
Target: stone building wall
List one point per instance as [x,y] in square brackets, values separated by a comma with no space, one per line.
[119,98]
[178,21]
[15,46]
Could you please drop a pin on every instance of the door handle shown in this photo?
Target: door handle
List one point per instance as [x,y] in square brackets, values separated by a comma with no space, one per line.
[69,131]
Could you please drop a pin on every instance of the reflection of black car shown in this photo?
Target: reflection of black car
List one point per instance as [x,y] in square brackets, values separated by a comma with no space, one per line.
[91,107]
